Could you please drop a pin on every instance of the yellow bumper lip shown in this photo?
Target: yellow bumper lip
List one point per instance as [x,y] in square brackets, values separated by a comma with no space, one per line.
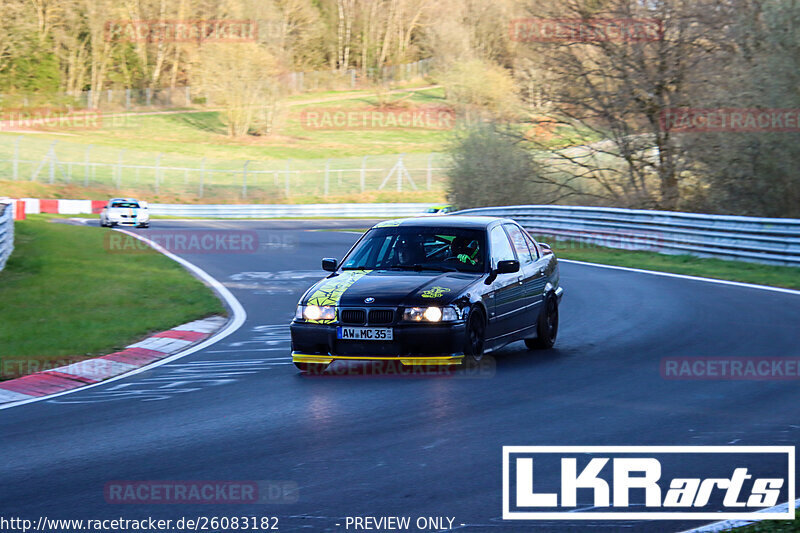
[404,359]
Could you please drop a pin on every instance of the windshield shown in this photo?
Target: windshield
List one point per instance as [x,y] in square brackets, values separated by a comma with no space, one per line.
[438,249]
[133,205]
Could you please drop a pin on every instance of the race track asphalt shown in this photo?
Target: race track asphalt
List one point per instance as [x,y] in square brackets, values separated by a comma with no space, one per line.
[358,444]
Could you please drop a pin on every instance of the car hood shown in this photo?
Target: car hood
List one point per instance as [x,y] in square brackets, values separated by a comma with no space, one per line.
[126,210]
[390,288]
[135,212]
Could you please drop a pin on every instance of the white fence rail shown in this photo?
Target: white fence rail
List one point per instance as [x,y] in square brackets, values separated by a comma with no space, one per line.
[27,158]
[289,211]
[6,232]
[764,240]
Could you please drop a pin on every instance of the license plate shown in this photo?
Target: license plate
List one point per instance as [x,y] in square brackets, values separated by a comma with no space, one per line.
[364,334]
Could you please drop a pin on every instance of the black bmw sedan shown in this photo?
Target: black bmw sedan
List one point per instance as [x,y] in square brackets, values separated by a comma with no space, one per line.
[430,291]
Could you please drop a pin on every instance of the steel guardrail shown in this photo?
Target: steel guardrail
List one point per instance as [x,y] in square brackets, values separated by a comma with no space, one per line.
[6,233]
[763,240]
[289,210]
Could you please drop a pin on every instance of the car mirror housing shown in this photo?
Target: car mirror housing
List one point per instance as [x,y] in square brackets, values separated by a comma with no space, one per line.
[508,267]
[329,264]
[546,250]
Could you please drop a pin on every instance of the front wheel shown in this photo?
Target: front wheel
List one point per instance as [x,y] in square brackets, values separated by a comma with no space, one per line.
[475,336]
[312,368]
[546,327]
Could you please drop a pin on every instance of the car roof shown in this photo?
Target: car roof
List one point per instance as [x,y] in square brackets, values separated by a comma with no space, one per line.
[448,221]
[124,200]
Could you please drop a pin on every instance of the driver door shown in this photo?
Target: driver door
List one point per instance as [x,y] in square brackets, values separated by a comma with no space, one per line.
[505,297]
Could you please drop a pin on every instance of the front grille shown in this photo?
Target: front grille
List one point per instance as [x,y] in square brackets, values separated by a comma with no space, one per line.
[353,316]
[381,316]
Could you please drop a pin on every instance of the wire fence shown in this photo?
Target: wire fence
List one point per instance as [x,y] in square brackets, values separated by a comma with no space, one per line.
[27,158]
[187,96]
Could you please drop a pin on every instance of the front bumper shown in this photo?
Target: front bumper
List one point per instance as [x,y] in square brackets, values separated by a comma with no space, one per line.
[413,344]
[132,222]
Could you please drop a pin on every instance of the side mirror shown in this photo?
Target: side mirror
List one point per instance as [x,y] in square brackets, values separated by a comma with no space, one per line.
[508,267]
[142,205]
[329,264]
[546,250]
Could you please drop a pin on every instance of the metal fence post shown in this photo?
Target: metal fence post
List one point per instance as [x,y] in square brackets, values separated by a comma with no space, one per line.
[15,163]
[148,94]
[430,171]
[202,174]
[158,171]
[363,173]
[119,168]
[127,99]
[86,166]
[188,95]
[244,179]
[327,175]
[400,168]
[288,163]
[52,155]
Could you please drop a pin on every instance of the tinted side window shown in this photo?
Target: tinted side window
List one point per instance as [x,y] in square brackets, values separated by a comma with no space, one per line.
[501,247]
[533,246]
[520,244]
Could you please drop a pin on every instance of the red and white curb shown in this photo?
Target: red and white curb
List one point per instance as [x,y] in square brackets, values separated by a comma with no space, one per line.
[95,370]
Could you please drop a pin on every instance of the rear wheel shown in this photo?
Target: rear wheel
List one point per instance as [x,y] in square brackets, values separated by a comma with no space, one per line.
[312,368]
[475,336]
[546,327]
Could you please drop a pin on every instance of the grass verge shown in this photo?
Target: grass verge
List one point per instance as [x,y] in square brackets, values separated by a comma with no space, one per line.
[64,297]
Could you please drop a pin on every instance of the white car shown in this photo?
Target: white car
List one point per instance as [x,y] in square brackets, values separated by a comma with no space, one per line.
[125,212]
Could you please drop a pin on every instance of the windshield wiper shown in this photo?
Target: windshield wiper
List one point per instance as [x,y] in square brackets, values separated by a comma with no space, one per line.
[362,267]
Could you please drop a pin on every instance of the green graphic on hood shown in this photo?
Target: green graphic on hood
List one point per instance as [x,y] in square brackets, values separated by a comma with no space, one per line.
[330,291]
[435,292]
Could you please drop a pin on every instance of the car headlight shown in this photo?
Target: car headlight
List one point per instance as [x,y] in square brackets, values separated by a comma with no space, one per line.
[430,314]
[315,312]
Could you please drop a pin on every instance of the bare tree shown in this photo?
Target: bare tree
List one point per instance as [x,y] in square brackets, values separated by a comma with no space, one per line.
[617,87]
